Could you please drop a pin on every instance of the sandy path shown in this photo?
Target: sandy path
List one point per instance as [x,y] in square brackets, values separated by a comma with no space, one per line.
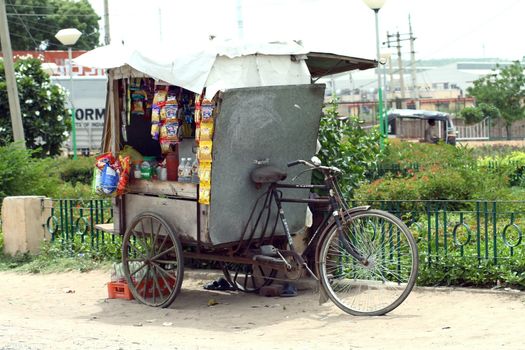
[37,312]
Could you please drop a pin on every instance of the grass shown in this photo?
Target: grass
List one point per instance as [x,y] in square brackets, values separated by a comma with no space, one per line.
[50,260]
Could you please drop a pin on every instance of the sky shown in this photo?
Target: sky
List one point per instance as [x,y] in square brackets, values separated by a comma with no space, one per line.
[443,28]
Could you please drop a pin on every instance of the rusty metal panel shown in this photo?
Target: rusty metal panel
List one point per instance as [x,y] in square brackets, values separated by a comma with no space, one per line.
[180,214]
[279,123]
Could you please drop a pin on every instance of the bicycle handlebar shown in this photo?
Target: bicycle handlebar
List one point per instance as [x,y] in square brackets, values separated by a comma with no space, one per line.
[313,166]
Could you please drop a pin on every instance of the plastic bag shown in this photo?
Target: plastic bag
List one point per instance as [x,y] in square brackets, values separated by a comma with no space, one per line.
[109,180]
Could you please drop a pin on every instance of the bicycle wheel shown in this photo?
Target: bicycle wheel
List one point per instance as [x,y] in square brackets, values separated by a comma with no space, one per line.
[385,280]
[152,260]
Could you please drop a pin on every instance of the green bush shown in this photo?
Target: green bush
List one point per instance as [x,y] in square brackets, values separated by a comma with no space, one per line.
[75,171]
[348,146]
[468,271]
[21,174]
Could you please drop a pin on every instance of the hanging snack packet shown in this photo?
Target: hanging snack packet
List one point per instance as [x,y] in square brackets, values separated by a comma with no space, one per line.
[205,149]
[96,185]
[206,132]
[125,166]
[165,146]
[155,131]
[155,114]
[205,173]
[204,194]
[160,96]
[109,180]
[172,132]
[103,159]
[207,110]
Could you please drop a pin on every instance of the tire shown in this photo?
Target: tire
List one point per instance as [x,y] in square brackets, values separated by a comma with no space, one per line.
[152,260]
[390,275]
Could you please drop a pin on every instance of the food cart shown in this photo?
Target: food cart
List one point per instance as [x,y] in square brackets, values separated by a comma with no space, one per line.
[236,110]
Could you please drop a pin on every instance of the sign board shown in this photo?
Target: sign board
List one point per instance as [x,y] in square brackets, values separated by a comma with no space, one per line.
[88,97]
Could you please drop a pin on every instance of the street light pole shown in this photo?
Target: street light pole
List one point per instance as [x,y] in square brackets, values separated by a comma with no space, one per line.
[73,113]
[376,5]
[69,37]
[379,84]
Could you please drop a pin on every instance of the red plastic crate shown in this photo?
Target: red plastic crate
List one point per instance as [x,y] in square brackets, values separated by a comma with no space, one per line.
[119,290]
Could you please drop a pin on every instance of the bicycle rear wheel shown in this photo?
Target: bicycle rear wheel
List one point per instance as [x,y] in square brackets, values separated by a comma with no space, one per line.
[385,281]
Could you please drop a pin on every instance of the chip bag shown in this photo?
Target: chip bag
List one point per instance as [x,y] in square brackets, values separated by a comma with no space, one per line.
[125,168]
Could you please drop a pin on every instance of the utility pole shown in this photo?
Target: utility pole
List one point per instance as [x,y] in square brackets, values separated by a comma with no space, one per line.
[415,94]
[394,40]
[400,63]
[12,90]
[107,37]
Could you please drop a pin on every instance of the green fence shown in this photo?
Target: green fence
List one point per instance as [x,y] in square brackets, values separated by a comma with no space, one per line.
[482,230]
[72,224]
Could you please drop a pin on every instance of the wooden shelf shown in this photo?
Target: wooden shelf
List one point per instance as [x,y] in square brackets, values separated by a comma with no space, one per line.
[109,228]
[166,188]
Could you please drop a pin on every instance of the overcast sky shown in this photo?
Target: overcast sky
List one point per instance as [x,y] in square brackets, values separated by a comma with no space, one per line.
[443,28]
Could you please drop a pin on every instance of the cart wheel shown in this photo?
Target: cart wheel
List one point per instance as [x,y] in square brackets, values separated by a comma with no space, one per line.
[152,260]
[248,278]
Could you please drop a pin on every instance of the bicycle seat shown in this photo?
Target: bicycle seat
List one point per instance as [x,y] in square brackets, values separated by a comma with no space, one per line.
[267,174]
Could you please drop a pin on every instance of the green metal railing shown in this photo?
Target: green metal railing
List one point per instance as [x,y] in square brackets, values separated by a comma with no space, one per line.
[72,223]
[482,230]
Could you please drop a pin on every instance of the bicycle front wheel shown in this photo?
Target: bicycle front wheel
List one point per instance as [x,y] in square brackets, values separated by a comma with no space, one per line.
[388,273]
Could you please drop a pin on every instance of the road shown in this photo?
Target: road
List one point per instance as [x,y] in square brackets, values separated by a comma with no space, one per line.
[70,311]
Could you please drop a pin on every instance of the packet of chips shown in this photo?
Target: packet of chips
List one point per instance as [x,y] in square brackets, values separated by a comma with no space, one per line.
[125,166]
[205,149]
[206,132]
[204,194]
[207,110]
[155,131]
[103,159]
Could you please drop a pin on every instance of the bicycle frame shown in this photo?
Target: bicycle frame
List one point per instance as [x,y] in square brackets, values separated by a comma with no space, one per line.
[335,208]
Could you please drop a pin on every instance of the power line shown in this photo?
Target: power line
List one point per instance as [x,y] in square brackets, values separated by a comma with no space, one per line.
[48,14]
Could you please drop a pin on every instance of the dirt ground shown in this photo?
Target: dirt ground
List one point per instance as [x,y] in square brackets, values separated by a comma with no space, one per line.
[70,311]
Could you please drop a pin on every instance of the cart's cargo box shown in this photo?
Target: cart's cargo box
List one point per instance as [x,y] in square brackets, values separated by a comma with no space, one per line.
[279,123]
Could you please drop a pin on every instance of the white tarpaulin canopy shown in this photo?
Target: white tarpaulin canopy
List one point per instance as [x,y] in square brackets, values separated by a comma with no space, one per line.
[221,65]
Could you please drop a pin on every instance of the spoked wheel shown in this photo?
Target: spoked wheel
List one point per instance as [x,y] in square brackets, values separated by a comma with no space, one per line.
[385,278]
[152,260]
[248,278]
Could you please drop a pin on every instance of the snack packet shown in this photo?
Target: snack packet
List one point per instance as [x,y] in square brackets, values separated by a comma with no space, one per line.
[125,166]
[205,151]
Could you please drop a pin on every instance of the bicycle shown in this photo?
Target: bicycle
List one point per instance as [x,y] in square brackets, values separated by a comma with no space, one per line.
[366,259]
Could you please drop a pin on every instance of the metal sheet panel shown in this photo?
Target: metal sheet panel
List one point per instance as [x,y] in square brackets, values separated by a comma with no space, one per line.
[280,123]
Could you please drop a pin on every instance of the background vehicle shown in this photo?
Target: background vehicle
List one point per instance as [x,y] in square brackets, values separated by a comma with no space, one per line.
[416,124]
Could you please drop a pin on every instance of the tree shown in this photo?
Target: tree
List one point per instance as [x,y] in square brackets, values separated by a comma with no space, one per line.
[504,91]
[473,115]
[34,23]
[44,117]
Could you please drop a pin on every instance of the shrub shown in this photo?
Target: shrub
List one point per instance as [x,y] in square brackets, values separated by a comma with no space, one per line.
[348,146]
[20,174]
[76,170]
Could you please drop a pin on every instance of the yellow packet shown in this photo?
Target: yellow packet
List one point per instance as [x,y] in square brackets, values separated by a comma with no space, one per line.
[206,132]
[204,194]
[205,173]
[205,151]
